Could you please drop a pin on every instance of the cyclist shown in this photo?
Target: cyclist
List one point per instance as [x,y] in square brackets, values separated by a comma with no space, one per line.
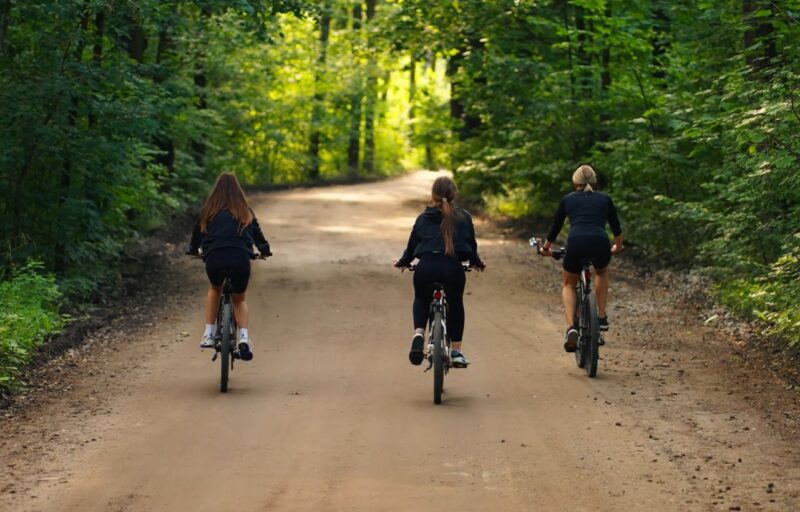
[442,237]
[588,211]
[226,232]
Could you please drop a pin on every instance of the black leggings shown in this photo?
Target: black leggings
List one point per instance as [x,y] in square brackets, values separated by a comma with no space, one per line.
[440,268]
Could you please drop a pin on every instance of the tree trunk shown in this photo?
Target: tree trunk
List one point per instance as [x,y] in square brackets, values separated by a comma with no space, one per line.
[5,20]
[200,83]
[319,96]
[584,57]
[470,124]
[97,53]
[412,91]
[354,144]
[65,181]
[761,30]
[371,98]
[605,60]
[166,155]
[660,42]
[136,38]
[567,30]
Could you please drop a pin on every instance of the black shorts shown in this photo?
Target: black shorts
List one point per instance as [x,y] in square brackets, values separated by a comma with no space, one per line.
[230,262]
[596,248]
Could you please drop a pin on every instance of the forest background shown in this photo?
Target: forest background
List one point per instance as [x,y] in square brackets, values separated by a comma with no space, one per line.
[116,115]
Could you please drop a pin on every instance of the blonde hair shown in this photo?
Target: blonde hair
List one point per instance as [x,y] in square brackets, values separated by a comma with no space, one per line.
[585,177]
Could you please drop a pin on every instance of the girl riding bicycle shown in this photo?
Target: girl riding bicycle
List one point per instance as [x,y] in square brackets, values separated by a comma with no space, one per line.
[588,212]
[443,236]
[226,232]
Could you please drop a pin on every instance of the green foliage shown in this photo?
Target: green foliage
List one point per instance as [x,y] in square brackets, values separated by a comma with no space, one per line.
[114,115]
[29,313]
[689,113]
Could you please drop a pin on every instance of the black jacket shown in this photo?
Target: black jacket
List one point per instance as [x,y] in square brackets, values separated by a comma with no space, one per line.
[588,213]
[224,231]
[426,238]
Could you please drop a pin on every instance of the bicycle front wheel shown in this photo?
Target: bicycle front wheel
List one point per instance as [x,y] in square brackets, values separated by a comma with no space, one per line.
[226,349]
[592,338]
[437,335]
[583,313]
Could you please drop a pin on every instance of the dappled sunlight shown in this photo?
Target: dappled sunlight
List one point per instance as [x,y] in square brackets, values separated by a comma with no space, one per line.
[343,229]
[348,196]
[497,242]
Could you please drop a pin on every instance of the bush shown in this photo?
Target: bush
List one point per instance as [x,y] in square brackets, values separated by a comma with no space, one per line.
[29,313]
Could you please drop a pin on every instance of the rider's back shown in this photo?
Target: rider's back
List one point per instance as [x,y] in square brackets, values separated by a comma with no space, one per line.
[588,213]
[428,233]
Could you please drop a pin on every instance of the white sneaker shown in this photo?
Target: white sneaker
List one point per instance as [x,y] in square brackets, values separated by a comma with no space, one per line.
[245,348]
[458,359]
[208,341]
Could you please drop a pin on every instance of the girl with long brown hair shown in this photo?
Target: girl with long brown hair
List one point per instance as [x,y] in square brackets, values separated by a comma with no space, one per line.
[226,231]
[443,236]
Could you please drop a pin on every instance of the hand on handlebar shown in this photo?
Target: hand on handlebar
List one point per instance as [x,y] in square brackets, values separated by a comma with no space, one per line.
[401,266]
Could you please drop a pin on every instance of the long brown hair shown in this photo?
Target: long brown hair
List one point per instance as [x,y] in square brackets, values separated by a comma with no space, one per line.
[226,195]
[443,194]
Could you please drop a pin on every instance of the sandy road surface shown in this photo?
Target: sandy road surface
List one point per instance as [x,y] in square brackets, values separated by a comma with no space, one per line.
[330,416]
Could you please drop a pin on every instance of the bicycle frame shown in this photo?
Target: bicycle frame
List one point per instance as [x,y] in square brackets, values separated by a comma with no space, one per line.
[438,305]
[225,298]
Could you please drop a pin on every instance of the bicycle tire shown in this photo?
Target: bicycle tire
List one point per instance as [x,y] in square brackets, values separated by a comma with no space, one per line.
[593,339]
[437,334]
[225,351]
[580,350]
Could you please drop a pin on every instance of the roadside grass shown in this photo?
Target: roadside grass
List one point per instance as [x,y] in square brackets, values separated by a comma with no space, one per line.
[29,313]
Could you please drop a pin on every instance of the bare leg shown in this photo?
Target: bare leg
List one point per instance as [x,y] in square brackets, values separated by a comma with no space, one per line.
[570,297]
[240,311]
[212,303]
[455,345]
[601,290]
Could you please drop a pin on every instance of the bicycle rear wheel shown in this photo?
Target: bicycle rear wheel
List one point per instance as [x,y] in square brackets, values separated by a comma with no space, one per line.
[593,338]
[437,334]
[226,349]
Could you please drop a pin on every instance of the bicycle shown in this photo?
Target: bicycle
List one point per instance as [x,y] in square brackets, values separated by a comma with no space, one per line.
[590,339]
[225,332]
[437,351]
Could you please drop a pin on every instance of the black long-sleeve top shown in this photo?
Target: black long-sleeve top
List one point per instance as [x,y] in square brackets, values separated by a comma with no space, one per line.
[426,237]
[224,230]
[588,213]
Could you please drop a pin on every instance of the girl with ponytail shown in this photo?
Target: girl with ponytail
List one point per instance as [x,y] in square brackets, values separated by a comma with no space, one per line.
[588,212]
[226,232]
[442,238]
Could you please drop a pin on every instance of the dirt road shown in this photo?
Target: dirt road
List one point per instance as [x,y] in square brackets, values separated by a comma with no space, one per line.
[330,415]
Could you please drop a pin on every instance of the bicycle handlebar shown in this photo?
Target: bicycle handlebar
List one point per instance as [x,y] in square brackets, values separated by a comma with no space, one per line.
[198,256]
[412,268]
[537,244]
